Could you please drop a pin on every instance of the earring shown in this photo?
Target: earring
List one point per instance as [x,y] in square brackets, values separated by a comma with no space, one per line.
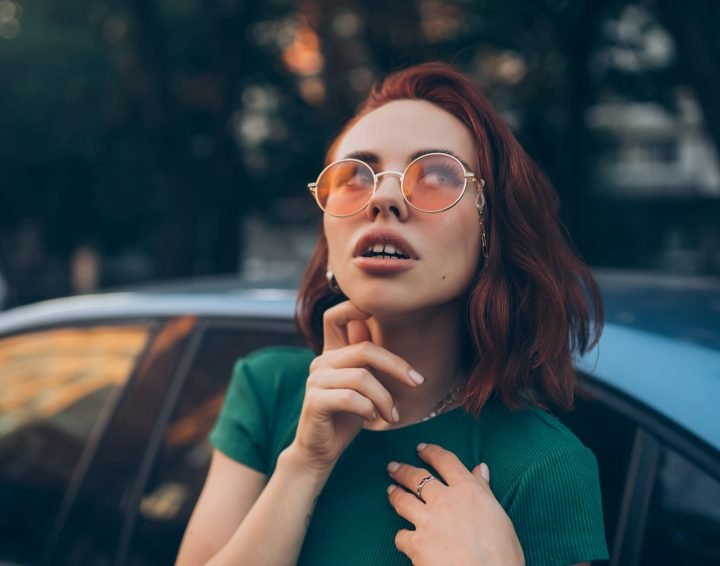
[480,205]
[332,283]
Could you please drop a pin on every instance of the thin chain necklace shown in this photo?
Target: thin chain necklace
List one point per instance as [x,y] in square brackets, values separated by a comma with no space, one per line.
[443,403]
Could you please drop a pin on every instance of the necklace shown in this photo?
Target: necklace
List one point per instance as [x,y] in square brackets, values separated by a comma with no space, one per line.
[443,403]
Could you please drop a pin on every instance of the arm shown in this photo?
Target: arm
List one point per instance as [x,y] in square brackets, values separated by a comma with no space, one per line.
[274,530]
[230,490]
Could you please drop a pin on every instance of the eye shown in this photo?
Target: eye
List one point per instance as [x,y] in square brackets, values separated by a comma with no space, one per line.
[441,176]
[361,177]
[356,177]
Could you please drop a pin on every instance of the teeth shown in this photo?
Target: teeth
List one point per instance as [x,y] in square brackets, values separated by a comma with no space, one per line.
[385,250]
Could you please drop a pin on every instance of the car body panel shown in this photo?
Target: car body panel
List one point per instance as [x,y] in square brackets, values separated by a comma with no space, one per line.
[261,303]
[678,379]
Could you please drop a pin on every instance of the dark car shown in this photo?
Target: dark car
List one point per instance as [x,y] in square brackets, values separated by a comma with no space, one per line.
[106,402]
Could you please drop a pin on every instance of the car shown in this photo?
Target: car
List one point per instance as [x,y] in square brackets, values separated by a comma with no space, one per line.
[106,401]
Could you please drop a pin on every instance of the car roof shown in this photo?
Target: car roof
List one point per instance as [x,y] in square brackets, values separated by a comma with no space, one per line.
[241,302]
[660,344]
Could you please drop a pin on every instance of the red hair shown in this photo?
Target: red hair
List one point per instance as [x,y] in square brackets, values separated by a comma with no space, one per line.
[533,302]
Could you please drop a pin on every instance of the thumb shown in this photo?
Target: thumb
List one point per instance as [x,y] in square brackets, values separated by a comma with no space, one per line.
[481,471]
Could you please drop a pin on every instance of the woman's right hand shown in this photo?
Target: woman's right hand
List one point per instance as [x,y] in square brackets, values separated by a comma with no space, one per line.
[341,392]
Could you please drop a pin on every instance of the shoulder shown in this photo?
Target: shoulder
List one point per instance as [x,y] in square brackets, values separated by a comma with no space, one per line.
[535,425]
[273,377]
[518,441]
[547,480]
[276,366]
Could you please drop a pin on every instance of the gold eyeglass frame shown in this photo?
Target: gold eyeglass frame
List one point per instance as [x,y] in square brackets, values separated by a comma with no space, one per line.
[312,187]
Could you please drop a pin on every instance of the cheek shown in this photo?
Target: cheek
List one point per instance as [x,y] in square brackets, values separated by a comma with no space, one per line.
[459,247]
[337,236]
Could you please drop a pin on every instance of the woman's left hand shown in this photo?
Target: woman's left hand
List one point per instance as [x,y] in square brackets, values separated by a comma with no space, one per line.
[460,523]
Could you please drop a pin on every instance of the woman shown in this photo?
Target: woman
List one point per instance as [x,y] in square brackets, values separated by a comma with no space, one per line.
[443,305]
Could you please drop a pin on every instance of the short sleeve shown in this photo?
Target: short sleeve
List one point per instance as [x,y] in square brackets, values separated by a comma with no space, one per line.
[241,430]
[557,509]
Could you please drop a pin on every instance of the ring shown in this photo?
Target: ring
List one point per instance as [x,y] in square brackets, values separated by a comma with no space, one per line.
[420,486]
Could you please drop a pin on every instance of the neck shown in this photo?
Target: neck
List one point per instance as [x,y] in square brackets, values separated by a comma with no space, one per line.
[430,342]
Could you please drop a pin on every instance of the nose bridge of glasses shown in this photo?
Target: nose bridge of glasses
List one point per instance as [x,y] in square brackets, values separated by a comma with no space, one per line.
[381,174]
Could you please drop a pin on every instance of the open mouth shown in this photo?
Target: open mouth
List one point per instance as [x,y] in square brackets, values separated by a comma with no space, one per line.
[384,251]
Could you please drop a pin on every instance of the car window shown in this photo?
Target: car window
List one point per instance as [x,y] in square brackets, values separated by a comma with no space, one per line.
[54,385]
[182,463]
[683,521]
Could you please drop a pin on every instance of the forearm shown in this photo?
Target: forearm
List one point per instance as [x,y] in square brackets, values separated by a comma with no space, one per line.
[273,531]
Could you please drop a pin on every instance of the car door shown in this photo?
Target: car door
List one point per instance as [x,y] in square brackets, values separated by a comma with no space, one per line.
[178,458]
[89,528]
[58,387]
[671,505]
[660,484]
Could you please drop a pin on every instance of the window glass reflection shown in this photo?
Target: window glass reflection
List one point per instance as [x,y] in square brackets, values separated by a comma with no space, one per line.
[683,525]
[182,463]
[53,387]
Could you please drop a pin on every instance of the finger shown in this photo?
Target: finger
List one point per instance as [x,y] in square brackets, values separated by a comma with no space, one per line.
[482,472]
[410,477]
[360,380]
[403,541]
[445,462]
[357,331]
[406,504]
[327,402]
[335,321]
[377,357]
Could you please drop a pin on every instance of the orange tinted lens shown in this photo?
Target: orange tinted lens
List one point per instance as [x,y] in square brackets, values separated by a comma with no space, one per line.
[345,187]
[434,182]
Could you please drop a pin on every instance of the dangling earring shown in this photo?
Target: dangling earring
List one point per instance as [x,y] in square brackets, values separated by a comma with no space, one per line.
[480,205]
[332,283]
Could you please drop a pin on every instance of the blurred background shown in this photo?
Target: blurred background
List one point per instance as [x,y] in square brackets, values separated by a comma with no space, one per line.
[145,140]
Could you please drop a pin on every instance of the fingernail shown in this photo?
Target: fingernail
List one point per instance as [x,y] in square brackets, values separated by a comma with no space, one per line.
[416,377]
[395,414]
[421,446]
[485,471]
[391,488]
[392,466]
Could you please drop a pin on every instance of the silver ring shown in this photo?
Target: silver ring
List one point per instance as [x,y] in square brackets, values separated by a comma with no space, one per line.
[420,486]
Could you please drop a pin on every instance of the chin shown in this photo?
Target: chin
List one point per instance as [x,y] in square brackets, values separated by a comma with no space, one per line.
[387,306]
[382,304]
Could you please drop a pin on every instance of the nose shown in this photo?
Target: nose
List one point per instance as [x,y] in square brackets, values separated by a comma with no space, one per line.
[388,198]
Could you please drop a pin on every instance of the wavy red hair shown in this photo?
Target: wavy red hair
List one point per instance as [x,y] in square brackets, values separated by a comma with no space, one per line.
[534,303]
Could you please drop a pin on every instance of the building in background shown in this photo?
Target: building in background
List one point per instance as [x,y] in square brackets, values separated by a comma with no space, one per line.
[664,167]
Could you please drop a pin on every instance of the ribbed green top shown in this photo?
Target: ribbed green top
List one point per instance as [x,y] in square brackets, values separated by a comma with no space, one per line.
[542,475]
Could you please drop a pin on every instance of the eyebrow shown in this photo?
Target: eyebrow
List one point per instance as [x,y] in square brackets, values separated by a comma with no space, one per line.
[373,159]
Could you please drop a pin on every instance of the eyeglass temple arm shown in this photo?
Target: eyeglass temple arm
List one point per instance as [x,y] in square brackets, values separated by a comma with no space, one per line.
[312,187]
[474,178]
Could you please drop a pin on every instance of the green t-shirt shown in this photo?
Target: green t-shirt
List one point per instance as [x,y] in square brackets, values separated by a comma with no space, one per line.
[542,475]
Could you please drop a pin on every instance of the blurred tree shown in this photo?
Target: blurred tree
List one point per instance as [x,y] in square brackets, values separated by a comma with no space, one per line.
[154,126]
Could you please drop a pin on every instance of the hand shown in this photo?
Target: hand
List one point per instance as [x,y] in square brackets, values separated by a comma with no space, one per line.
[341,392]
[461,522]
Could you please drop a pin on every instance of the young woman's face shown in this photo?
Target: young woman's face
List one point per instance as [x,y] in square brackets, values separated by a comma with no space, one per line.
[446,244]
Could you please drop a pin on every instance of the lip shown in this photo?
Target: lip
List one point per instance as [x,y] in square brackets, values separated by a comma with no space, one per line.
[384,237]
[378,266]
